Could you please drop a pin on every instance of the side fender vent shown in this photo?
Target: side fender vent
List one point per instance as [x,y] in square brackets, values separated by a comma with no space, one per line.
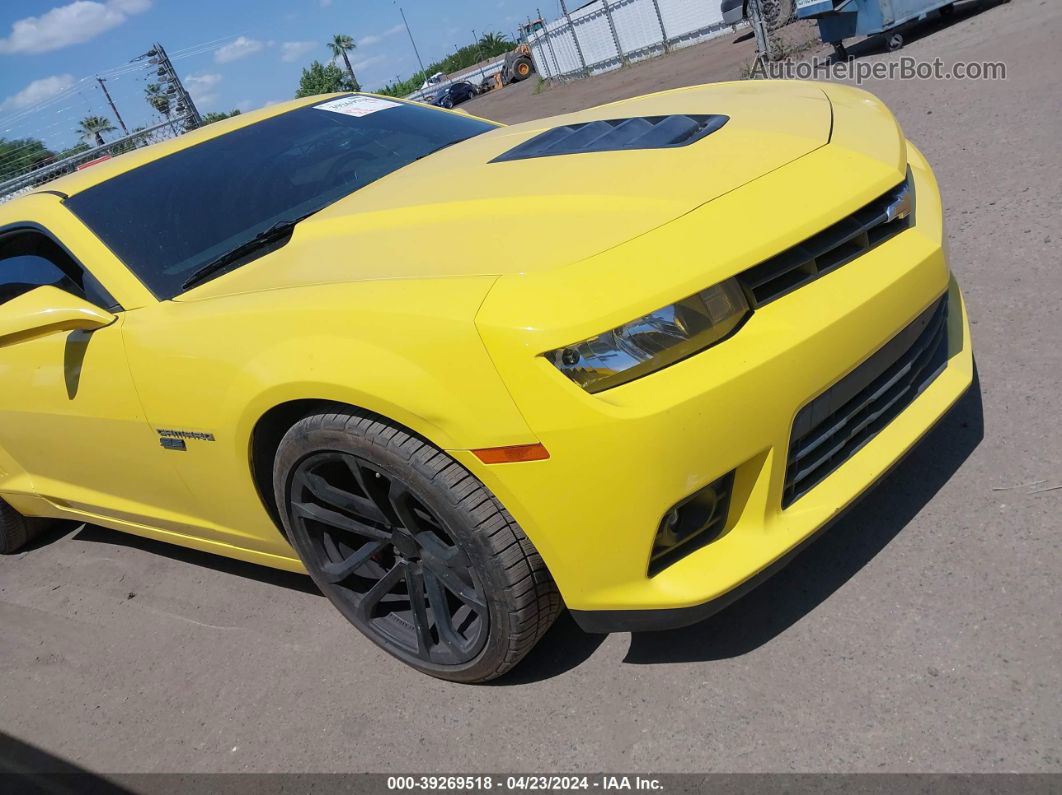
[614,135]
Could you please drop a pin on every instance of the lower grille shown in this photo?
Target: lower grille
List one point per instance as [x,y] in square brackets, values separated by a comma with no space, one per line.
[836,424]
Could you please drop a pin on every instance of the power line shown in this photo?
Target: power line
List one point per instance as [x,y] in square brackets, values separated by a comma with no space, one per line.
[113,72]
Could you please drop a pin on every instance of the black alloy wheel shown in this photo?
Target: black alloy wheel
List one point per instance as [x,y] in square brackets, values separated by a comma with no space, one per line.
[410,546]
[399,572]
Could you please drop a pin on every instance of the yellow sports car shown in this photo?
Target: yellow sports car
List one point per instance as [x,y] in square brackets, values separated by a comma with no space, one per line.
[625,361]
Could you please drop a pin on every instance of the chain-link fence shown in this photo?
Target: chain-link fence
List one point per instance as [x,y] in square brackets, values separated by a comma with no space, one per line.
[607,34]
[51,168]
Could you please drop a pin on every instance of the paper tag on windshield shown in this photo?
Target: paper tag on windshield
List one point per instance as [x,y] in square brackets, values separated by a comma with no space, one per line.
[357,106]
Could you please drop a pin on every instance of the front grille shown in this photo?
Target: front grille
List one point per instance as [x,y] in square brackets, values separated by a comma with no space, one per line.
[836,245]
[614,135]
[836,424]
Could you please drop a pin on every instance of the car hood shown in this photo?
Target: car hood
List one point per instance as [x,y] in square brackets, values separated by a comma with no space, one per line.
[456,213]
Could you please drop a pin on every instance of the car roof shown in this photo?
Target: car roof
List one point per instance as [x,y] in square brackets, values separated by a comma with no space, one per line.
[72,184]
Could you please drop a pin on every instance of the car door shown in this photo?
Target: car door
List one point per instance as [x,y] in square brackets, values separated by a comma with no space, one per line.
[71,422]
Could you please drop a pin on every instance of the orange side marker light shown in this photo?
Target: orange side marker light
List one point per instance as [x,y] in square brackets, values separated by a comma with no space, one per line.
[511,455]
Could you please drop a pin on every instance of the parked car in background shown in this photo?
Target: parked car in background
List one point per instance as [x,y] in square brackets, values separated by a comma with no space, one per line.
[433,80]
[733,11]
[455,94]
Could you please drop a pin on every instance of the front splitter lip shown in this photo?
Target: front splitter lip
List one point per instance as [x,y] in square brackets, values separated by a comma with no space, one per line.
[607,621]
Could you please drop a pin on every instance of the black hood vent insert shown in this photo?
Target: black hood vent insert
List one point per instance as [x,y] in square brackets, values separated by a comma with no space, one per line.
[616,135]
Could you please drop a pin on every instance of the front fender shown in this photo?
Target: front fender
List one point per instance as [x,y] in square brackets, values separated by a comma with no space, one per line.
[408,350]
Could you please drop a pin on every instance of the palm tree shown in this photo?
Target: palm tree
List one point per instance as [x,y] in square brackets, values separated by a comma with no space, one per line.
[95,126]
[340,45]
[494,44]
[157,99]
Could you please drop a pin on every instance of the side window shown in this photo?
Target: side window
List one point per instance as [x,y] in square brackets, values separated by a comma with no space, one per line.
[30,259]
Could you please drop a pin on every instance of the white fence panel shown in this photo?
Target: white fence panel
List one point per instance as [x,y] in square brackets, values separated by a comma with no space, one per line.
[690,19]
[636,25]
[567,54]
[584,42]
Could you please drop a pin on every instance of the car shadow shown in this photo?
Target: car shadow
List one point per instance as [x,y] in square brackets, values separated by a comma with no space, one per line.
[913,31]
[25,768]
[238,568]
[828,563]
[562,648]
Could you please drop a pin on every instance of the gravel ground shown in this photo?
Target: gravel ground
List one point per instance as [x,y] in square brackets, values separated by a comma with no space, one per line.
[922,633]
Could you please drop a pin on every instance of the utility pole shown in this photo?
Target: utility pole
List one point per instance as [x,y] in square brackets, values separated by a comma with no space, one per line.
[410,33]
[114,107]
[174,87]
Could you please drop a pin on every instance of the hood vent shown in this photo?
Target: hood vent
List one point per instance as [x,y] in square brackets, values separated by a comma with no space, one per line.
[614,135]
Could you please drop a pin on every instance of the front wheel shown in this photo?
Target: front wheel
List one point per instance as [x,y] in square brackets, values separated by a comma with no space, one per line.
[411,548]
[16,530]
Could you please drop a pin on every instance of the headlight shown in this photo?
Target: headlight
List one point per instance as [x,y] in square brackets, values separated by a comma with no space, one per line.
[654,341]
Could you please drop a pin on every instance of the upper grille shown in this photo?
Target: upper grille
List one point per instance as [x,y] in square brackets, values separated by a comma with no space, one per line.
[831,248]
[647,132]
[833,426]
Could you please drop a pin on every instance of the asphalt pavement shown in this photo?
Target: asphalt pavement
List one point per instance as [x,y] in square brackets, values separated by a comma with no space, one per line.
[921,633]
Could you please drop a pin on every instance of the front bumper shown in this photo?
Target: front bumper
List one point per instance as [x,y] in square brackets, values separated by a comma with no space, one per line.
[622,457]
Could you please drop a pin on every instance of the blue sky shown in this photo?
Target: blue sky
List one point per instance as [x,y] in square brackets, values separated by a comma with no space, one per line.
[239,53]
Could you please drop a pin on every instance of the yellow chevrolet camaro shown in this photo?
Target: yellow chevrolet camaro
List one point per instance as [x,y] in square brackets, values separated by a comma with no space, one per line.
[626,360]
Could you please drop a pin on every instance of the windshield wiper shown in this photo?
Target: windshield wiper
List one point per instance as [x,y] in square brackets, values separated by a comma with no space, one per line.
[277,231]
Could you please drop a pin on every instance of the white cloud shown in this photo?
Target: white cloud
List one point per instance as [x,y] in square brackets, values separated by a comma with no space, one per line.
[326,3]
[130,6]
[294,50]
[73,23]
[38,91]
[201,87]
[376,38]
[364,63]
[240,47]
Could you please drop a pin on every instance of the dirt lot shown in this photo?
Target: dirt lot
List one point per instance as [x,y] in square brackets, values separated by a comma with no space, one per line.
[922,633]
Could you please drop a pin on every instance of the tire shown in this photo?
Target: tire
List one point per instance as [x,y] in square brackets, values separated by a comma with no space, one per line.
[397,535]
[16,530]
[776,13]
[521,69]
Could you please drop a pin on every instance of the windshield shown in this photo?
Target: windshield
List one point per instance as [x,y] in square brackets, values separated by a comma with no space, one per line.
[168,219]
